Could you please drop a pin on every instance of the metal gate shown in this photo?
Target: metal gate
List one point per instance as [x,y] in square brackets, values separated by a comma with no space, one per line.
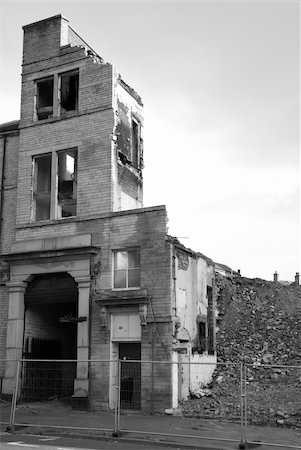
[130,375]
[44,380]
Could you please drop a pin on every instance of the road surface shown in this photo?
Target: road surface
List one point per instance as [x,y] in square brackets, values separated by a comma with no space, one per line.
[18,441]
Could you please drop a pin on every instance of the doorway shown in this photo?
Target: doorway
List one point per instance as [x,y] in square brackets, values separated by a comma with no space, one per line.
[130,375]
[50,338]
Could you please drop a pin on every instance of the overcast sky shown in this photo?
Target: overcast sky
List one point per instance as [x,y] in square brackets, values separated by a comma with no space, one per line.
[220,85]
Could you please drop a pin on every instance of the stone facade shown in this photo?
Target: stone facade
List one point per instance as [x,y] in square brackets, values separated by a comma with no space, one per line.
[76,240]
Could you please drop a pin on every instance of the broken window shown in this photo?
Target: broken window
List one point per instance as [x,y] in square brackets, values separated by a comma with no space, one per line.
[135,142]
[44,98]
[69,91]
[42,187]
[67,178]
[126,269]
[54,188]
[47,93]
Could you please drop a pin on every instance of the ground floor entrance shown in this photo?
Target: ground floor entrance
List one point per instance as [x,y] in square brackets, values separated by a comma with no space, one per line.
[130,375]
[50,337]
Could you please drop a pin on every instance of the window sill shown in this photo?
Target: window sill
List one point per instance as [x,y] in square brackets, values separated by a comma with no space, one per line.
[44,223]
[64,115]
[126,289]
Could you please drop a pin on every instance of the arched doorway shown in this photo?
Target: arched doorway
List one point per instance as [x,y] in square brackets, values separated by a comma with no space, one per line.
[51,302]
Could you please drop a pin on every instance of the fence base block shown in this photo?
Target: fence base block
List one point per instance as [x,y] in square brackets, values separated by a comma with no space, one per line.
[80,403]
[116,434]
[246,445]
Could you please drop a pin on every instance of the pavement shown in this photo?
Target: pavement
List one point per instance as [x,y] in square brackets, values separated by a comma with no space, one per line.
[56,418]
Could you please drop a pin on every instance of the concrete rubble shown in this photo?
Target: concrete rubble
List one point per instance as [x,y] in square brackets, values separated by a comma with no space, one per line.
[259,323]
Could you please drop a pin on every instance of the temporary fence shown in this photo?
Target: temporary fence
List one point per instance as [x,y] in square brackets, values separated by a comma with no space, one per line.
[272,397]
[5,401]
[51,394]
[186,392]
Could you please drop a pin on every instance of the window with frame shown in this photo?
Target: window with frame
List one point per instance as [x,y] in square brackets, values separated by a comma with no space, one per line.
[57,95]
[44,98]
[54,185]
[68,89]
[126,269]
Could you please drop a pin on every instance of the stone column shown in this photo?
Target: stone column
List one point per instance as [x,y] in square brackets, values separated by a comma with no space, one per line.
[81,383]
[15,332]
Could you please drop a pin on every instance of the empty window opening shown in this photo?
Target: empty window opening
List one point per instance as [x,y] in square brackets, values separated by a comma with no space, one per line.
[126,269]
[67,189]
[42,187]
[135,143]
[44,99]
[54,185]
[69,92]
[202,337]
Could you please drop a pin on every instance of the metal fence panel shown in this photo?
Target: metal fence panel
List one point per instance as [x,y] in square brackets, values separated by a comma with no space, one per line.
[6,400]
[273,398]
[169,388]
[51,394]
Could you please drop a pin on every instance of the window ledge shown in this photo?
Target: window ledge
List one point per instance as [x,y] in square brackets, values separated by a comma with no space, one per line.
[113,297]
[45,223]
[64,115]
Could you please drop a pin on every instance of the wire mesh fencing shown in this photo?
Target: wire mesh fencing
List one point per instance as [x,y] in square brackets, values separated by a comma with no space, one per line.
[172,400]
[273,398]
[63,394]
[180,391]
[5,400]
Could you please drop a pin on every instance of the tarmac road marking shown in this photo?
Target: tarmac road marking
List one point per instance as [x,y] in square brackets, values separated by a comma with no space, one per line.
[65,448]
[22,444]
[49,439]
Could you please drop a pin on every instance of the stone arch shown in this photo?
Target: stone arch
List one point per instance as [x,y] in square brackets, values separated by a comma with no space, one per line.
[22,275]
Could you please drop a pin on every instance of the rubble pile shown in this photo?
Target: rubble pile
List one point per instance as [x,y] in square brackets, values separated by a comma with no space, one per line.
[259,323]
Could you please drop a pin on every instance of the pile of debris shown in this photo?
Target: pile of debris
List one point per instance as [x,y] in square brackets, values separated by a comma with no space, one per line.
[259,324]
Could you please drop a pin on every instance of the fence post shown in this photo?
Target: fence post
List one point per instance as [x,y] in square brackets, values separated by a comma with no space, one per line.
[14,399]
[153,387]
[242,404]
[246,409]
[116,432]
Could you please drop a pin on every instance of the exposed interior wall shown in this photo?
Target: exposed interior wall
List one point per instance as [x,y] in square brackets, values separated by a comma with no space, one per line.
[191,295]
[201,371]
[128,193]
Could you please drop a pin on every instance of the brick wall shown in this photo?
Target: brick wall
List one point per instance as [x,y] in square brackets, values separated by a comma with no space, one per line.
[42,39]
[8,212]
[3,321]
[146,229]
[10,190]
[42,321]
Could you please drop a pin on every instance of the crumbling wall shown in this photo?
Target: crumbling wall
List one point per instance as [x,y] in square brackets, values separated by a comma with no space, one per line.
[259,323]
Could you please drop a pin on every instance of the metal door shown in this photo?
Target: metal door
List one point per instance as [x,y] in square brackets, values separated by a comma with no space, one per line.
[130,376]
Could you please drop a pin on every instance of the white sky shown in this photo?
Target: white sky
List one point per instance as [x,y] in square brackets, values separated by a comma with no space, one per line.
[220,85]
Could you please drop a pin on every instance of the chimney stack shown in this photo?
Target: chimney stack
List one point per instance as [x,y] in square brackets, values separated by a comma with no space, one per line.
[275,277]
[297,279]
